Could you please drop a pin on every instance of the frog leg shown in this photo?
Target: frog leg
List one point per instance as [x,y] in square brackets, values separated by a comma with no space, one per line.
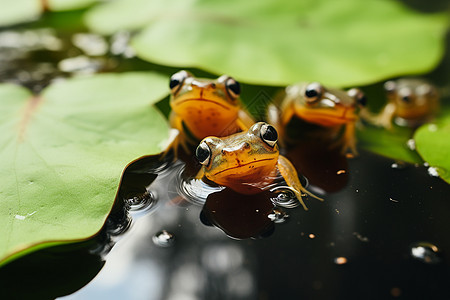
[350,139]
[179,138]
[273,117]
[279,121]
[200,174]
[244,120]
[290,175]
[385,117]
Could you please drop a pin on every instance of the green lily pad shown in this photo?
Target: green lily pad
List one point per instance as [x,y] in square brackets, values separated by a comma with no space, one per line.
[59,5]
[391,143]
[433,144]
[63,153]
[18,11]
[350,42]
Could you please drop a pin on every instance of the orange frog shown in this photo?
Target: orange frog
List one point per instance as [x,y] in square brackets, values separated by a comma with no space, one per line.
[411,102]
[247,162]
[333,109]
[204,107]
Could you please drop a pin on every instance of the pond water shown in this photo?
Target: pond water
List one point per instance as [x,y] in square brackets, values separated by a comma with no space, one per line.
[371,239]
[381,233]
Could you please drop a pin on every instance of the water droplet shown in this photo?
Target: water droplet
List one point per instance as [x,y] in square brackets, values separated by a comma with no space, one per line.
[312,236]
[432,127]
[140,202]
[399,165]
[340,260]
[411,143]
[341,172]
[426,252]
[432,171]
[278,216]
[286,197]
[163,239]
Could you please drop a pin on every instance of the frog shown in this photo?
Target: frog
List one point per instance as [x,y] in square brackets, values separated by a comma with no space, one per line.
[411,102]
[248,162]
[202,107]
[333,109]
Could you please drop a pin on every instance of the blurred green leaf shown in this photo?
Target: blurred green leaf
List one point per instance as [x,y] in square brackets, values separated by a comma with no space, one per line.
[340,43]
[390,143]
[63,153]
[19,11]
[433,144]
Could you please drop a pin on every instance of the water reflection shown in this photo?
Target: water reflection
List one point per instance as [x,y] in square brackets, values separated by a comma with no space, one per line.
[326,168]
[240,216]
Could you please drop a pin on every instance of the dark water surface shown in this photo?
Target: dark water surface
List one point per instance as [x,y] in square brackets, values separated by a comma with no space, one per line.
[383,238]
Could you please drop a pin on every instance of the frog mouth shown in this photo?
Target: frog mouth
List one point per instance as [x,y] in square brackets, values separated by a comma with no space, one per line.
[179,102]
[328,117]
[243,165]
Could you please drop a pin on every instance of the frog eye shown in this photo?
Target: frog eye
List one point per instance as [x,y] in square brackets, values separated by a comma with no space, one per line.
[269,135]
[203,153]
[406,95]
[390,86]
[358,95]
[313,92]
[177,79]
[233,87]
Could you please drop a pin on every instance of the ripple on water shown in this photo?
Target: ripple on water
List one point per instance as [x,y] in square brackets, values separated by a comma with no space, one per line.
[285,197]
[141,202]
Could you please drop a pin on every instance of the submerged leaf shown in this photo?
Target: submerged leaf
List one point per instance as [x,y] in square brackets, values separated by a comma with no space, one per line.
[349,42]
[433,144]
[63,153]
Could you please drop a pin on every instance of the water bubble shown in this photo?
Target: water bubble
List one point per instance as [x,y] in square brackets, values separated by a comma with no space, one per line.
[432,171]
[411,143]
[163,239]
[278,216]
[399,165]
[140,202]
[286,197]
[426,252]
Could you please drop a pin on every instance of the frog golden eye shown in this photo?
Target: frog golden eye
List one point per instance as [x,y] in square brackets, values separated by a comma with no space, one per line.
[233,88]
[313,92]
[269,135]
[177,79]
[390,86]
[203,153]
[358,95]
[405,95]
